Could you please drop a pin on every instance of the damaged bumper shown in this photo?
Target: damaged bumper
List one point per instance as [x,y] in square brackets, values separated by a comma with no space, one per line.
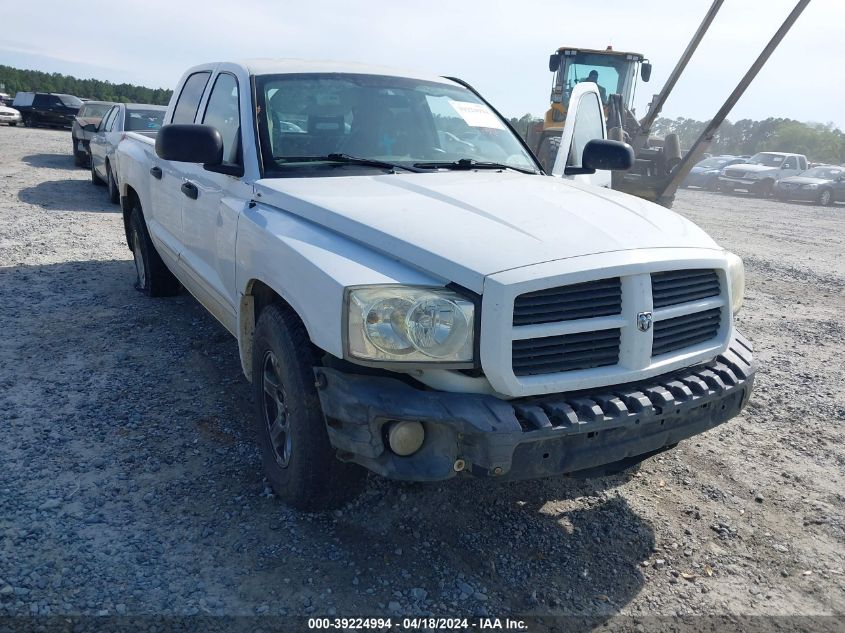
[594,432]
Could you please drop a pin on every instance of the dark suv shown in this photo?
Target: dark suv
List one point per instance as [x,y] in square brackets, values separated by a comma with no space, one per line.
[46,108]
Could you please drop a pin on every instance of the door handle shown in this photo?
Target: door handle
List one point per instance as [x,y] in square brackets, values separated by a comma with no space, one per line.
[155,172]
[190,190]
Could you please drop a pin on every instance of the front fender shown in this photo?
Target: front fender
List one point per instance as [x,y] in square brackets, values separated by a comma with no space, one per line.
[308,266]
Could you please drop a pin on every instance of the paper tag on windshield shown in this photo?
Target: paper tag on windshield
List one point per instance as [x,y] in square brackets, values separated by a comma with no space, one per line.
[476,114]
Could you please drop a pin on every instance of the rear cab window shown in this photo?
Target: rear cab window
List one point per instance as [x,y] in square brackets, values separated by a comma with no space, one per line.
[189,99]
[223,112]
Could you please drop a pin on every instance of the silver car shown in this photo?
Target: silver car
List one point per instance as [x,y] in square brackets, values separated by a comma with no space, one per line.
[9,116]
[121,118]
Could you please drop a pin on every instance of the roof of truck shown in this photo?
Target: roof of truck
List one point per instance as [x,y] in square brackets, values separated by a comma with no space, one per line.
[292,66]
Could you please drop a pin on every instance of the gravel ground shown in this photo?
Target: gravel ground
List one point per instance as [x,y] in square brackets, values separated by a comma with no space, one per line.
[131,482]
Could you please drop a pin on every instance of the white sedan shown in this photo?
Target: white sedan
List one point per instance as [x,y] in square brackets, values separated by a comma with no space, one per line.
[9,116]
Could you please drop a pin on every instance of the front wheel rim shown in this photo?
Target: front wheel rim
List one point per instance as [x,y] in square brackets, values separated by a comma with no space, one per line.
[138,255]
[825,198]
[275,410]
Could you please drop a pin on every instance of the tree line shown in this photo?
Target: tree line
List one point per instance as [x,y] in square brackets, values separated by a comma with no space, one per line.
[820,142]
[18,80]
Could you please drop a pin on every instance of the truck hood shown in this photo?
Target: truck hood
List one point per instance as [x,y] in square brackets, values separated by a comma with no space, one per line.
[753,168]
[463,226]
[805,180]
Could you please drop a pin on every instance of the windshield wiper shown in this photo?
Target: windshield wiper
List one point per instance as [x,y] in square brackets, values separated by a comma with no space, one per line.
[471,163]
[344,159]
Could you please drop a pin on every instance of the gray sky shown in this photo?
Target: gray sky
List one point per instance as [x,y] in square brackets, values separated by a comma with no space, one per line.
[499,46]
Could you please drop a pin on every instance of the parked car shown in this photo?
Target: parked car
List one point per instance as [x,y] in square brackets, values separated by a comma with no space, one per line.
[47,108]
[119,119]
[9,116]
[823,185]
[90,114]
[705,174]
[404,308]
[759,173]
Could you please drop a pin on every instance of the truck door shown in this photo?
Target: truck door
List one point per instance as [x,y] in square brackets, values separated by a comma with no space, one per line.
[789,167]
[584,123]
[168,176]
[212,202]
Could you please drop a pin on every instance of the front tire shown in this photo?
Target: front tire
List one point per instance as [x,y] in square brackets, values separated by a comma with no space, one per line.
[78,157]
[28,121]
[298,458]
[95,178]
[152,276]
[825,197]
[114,192]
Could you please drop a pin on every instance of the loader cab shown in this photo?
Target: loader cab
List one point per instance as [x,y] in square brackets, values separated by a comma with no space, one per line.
[613,71]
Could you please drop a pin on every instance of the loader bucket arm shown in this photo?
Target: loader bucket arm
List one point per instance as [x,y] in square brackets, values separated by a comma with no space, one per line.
[665,192]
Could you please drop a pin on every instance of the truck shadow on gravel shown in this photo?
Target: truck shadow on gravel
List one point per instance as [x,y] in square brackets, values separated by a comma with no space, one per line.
[51,161]
[139,430]
[68,195]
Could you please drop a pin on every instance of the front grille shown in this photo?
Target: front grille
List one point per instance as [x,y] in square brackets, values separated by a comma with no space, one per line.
[684,331]
[734,173]
[568,352]
[680,286]
[578,301]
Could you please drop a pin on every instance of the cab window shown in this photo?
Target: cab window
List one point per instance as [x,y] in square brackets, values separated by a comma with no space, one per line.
[222,112]
[790,163]
[105,125]
[189,98]
[588,126]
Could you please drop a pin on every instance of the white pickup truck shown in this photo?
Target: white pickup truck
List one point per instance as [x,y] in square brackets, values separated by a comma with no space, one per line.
[412,295]
[760,173]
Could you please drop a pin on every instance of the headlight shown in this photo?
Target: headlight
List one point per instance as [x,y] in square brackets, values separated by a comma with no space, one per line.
[711,171]
[409,324]
[736,279]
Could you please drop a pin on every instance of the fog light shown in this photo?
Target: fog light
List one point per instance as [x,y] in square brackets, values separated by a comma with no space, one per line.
[405,438]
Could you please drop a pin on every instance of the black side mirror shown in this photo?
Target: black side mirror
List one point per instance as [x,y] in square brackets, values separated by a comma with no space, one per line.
[190,143]
[554,62]
[645,71]
[609,155]
[90,127]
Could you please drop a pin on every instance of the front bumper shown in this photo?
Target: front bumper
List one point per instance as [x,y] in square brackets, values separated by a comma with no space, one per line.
[742,184]
[15,118]
[598,431]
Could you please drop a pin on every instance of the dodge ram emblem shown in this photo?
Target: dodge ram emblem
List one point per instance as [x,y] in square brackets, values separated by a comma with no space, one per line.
[644,321]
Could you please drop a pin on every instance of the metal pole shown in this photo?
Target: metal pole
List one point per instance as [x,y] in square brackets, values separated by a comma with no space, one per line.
[657,103]
[709,132]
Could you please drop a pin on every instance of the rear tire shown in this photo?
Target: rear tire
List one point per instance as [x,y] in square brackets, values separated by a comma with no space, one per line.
[298,458]
[548,152]
[152,276]
[28,121]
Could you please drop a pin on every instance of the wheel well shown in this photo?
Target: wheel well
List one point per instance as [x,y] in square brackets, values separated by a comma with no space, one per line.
[127,203]
[255,299]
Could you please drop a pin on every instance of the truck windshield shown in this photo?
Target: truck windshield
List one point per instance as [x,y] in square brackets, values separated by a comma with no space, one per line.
[303,119]
[769,160]
[716,161]
[70,101]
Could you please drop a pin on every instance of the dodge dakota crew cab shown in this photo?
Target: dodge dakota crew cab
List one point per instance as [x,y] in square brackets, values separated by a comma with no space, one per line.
[410,292]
